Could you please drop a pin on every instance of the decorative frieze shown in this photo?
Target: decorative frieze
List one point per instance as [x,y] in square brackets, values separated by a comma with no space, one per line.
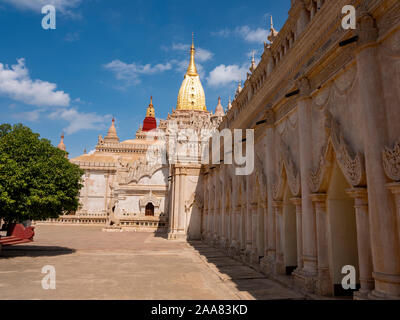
[391,162]
[351,163]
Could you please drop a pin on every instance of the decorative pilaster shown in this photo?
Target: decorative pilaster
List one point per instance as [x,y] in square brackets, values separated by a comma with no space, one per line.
[254,249]
[299,233]
[266,263]
[382,211]
[360,196]
[395,189]
[308,216]
[235,245]
[279,263]
[324,284]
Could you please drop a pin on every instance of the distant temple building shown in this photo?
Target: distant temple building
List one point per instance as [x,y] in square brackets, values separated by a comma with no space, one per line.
[123,189]
[324,195]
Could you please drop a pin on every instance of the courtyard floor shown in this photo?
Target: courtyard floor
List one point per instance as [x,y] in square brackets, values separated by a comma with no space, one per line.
[92,264]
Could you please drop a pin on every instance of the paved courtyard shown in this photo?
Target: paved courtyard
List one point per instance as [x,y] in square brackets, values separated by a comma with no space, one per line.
[92,264]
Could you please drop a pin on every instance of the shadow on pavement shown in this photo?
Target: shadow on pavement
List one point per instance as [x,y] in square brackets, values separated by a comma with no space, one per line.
[33,251]
[250,283]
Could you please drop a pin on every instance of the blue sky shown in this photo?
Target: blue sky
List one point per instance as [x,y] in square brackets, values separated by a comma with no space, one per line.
[106,57]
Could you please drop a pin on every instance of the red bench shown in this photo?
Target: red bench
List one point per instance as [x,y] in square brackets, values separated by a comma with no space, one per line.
[17,234]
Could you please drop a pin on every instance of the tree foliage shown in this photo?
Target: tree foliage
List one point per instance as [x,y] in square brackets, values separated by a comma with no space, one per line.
[37,181]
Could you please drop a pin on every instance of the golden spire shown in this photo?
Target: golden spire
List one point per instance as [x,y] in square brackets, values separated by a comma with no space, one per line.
[192,71]
[191,94]
[150,110]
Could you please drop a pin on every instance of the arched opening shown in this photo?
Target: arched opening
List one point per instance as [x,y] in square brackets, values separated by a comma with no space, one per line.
[149,209]
[342,231]
[289,233]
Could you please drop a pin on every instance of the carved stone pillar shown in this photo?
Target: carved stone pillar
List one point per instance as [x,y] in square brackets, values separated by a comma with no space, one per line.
[308,216]
[279,263]
[324,284]
[249,228]
[178,215]
[395,189]
[260,230]
[204,223]
[242,227]
[382,211]
[360,196]
[270,238]
[254,218]
[235,245]
[299,233]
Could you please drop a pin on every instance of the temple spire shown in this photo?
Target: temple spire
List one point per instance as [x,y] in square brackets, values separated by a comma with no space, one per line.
[61,145]
[192,70]
[112,133]
[150,122]
[230,104]
[273,33]
[150,109]
[219,110]
[253,63]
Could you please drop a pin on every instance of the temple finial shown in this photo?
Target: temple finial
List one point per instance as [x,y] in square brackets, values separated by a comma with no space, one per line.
[273,33]
[192,71]
[61,145]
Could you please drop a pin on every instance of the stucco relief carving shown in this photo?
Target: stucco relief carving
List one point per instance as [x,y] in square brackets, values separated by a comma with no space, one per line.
[287,172]
[149,198]
[303,84]
[367,31]
[133,173]
[351,164]
[341,87]
[269,117]
[391,162]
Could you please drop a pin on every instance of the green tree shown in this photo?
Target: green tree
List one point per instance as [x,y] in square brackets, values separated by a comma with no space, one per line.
[37,181]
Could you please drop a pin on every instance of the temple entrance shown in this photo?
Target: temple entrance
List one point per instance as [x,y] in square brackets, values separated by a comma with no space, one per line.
[342,233]
[149,209]
[289,233]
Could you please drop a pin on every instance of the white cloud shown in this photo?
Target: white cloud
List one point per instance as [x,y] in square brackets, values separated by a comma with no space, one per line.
[72,37]
[182,65]
[16,83]
[29,115]
[223,75]
[78,121]
[125,71]
[63,6]
[202,55]
[222,33]
[180,47]
[258,35]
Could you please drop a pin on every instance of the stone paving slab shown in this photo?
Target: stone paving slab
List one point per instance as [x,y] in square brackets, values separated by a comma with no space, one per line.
[91,264]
